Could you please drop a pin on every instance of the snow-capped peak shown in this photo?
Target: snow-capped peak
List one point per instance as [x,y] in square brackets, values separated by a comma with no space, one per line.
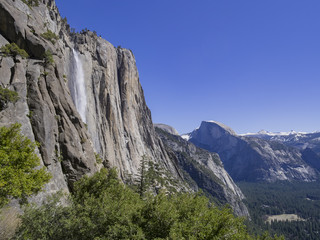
[267,133]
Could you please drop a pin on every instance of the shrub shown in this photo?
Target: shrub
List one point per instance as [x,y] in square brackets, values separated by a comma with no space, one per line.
[51,36]
[98,158]
[7,96]
[48,58]
[31,3]
[12,49]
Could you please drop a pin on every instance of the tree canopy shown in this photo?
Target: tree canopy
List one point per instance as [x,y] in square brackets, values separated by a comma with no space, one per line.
[101,207]
[19,177]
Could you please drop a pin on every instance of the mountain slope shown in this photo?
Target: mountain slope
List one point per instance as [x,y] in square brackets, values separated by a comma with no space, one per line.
[307,143]
[202,169]
[252,159]
[294,139]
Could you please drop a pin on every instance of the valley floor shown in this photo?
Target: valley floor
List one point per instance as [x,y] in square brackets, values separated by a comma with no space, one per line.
[284,217]
[289,208]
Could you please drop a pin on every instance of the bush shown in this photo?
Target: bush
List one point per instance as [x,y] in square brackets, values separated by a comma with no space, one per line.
[7,96]
[51,36]
[18,160]
[12,49]
[101,207]
[48,58]
[31,3]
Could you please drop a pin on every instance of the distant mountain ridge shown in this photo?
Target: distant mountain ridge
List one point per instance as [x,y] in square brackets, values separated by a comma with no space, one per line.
[300,140]
[250,158]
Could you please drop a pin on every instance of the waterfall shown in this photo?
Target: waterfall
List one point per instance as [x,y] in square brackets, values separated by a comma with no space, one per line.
[77,86]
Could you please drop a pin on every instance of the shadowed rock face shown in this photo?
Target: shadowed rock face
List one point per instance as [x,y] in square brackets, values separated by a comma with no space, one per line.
[118,122]
[252,159]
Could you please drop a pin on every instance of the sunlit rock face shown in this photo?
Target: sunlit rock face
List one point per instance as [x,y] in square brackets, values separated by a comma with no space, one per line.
[252,159]
[88,102]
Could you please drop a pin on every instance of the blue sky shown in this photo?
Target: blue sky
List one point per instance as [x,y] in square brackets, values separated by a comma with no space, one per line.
[250,64]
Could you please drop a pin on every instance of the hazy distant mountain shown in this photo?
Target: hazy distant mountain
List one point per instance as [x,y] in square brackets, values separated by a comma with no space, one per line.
[299,140]
[166,128]
[252,158]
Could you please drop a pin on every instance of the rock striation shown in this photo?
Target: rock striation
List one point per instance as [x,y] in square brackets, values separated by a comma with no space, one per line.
[252,159]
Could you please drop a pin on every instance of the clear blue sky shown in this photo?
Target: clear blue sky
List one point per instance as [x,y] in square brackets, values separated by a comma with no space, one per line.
[250,64]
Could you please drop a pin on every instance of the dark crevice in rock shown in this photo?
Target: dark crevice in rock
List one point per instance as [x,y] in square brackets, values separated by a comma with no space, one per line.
[12,70]
[108,107]
[56,72]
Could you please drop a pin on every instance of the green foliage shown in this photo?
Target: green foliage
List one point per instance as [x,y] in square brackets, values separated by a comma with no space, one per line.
[48,58]
[189,216]
[152,178]
[13,49]
[18,176]
[44,220]
[98,158]
[51,36]
[300,198]
[7,96]
[101,207]
[30,114]
[31,3]
[64,20]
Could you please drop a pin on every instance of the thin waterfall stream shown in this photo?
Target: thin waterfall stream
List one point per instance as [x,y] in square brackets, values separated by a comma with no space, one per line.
[77,86]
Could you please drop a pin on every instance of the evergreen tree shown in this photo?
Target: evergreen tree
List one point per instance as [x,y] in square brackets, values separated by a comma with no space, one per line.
[101,207]
[19,177]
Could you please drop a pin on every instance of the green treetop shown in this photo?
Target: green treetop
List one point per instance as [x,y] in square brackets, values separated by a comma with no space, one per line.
[103,208]
[18,160]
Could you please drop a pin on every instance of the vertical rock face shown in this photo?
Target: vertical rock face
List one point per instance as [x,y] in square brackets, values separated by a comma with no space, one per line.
[119,125]
[118,122]
[109,118]
[252,159]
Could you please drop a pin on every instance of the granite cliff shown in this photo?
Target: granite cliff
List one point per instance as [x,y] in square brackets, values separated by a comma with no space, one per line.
[79,97]
[115,127]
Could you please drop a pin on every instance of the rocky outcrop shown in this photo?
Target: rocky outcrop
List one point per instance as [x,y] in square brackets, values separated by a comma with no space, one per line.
[203,170]
[252,159]
[166,128]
